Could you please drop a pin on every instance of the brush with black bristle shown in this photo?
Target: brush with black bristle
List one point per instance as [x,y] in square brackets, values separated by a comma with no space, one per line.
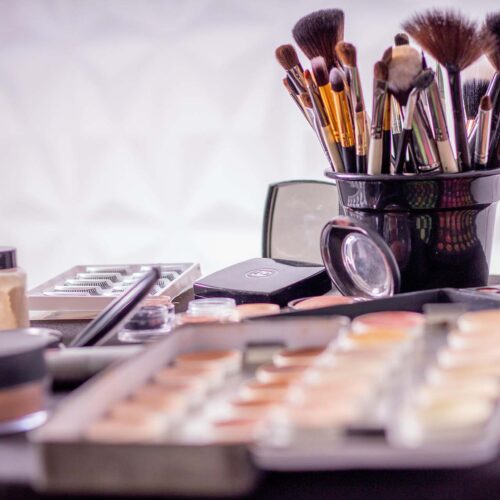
[344,121]
[454,41]
[473,89]
[287,57]
[318,33]
[420,83]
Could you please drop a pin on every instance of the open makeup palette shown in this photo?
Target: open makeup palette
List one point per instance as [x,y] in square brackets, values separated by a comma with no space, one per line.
[93,287]
[210,407]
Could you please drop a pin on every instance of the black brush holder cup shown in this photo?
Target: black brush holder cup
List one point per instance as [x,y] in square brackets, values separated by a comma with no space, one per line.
[405,233]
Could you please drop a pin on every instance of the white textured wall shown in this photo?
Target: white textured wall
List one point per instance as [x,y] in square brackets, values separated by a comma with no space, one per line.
[149,130]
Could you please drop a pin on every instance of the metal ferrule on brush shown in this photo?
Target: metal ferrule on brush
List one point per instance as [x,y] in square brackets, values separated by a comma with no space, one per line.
[437,112]
[379,97]
[297,76]
[482,137]
[361,134]
[396,118]
[328,100]
[425,149]
[354,81]
[410,109]
[342,111]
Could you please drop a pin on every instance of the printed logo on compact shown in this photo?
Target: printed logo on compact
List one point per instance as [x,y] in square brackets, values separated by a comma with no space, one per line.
[261,273]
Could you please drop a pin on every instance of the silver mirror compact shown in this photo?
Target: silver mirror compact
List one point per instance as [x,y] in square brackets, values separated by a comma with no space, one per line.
[358,261]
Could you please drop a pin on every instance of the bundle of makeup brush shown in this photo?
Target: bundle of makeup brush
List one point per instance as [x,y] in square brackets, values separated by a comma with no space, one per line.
[408,131]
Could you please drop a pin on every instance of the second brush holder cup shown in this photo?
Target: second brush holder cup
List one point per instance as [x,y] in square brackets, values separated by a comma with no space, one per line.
[405,233]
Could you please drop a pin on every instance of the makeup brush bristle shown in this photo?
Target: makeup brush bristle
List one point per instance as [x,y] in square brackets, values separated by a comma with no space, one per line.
[405,65]
[424,79]
[473,90]
[320,71]
[346,52]
[448,36]
[485,103]
[401,39]
[380,71]
[317,34]
[287,56]
[490,35]
[387,55]
[336,80]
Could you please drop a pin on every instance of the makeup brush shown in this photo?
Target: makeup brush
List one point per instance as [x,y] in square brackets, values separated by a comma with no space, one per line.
[375,151]
[293,94]
[347,55]
[361,135]
[483,133]
[405,64]
[440,84]
[473,90]
[420,83]
[401,39]
[438,118]
[317,34]
[289,61]
[320,72]
[323,125]
[454,42]
[343,114]
[491,34]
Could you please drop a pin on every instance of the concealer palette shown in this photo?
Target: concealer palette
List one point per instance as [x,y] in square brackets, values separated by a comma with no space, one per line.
[212,405]
[93,287]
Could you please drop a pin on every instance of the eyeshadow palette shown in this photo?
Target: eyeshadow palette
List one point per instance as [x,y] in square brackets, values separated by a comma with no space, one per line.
[212,405]
[93,287]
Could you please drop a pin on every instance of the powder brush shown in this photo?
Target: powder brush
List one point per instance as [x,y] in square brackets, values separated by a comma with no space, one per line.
[454,42]
[420,83]
[318,33]
[287,57]
[343,114]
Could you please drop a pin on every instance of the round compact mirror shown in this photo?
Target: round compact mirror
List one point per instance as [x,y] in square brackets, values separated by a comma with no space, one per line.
[358,260]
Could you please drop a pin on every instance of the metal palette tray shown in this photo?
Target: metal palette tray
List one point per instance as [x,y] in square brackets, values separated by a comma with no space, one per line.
[181,276]
[68,463]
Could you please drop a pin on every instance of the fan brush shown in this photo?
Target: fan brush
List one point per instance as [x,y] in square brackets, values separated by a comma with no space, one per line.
[455,42]
[318,33]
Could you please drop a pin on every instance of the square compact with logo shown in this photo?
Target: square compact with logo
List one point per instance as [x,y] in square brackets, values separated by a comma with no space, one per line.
[265,280]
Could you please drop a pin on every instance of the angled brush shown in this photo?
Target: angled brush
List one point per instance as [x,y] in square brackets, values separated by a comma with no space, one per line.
[317,34]
[454,41]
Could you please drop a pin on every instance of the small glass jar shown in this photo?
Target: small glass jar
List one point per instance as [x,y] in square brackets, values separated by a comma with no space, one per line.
[13,303]
[151,322]
[211,310]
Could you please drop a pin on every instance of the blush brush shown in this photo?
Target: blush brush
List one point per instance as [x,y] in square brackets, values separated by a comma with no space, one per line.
[318,33]
[455,42]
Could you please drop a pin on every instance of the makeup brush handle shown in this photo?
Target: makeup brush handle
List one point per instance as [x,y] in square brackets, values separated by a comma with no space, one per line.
[349,156]
[401,154]
[386,152]
[361,164]
[375,156]
[446,156]
[457,104]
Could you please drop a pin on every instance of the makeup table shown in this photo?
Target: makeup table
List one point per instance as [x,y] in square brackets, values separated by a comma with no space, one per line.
[18,465]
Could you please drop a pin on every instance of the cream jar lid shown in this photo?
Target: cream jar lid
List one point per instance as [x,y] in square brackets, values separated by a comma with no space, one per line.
[21,358]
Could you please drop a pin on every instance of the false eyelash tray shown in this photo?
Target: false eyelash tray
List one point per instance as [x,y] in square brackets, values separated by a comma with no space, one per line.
[93,287]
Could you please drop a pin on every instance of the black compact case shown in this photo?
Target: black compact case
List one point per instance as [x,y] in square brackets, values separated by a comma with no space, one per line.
[265,280]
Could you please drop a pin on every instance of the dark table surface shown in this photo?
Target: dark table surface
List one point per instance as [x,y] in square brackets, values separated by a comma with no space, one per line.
[18,465]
